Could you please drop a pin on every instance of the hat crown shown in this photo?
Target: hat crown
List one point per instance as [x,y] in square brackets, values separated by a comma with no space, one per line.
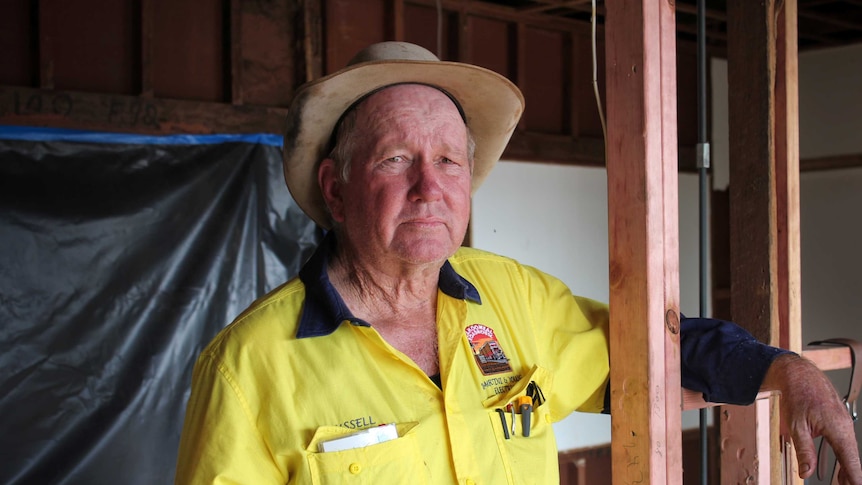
[392,51]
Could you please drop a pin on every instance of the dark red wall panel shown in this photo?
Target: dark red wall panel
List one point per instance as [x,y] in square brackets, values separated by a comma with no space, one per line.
[545,75]
[420,27]
[351,26]
[90,44]
[493,47]
[18,57]
[189,60]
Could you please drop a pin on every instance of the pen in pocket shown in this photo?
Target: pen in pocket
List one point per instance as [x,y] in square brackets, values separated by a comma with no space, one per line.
[503,422]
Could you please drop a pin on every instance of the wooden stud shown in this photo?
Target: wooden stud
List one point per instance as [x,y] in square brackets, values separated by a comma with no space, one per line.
[235,22]
[754,225]
[643,234]
[312,14]
[395,20]
[787,178]
[46,45]
[147,28]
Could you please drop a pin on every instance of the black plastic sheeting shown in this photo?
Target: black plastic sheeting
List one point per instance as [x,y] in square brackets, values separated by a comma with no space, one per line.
[119,262]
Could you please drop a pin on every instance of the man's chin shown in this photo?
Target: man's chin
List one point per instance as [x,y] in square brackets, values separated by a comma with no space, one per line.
[428,251]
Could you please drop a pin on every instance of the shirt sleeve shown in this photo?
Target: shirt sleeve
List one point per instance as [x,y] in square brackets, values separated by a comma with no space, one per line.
[220,443]
[723,361]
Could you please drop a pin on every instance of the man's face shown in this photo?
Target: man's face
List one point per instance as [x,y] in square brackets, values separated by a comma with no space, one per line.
[408,195]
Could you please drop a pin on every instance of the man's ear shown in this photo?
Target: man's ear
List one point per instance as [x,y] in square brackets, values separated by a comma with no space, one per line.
[330,187]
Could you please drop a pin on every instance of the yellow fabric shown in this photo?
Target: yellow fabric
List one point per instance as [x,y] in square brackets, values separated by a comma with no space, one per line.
[262,399]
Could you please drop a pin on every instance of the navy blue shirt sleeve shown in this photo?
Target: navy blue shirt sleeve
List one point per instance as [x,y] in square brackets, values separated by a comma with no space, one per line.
[723,361]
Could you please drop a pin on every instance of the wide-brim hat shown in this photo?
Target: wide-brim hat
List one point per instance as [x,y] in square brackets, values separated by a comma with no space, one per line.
[492,106]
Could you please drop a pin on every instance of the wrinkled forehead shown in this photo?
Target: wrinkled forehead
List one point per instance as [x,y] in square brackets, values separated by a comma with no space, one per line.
[393,97]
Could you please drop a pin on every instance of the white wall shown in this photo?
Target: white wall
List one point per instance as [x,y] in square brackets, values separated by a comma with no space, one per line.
[558,222]
[554,217]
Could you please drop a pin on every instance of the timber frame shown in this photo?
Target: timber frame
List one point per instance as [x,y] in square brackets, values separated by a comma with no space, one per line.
[266,49]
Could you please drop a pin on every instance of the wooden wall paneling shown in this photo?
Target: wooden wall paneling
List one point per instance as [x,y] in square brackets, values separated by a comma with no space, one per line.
[132,114]
[520,58]
[466,27]
[190,60]
[236,52]
[350,27]
[493,45]
[646,396]
[421,27]
[145,44]
[45,20]
[93,45]
[19,61]
[577,62]
[545,76]
[395,19]
[273,48]
[311,38]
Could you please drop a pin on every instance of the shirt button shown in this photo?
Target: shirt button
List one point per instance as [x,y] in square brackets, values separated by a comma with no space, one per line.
[355,468]
[547,418]
[469,482]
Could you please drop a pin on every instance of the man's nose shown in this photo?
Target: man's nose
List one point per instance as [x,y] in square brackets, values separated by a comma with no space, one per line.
[426,181]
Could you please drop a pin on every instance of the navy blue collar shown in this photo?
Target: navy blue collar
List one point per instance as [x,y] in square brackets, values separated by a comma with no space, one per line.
[324,310]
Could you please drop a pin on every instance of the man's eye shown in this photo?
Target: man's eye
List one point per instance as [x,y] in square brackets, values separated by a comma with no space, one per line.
[396,159]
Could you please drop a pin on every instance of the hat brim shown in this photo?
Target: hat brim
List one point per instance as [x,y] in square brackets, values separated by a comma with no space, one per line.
[492,106]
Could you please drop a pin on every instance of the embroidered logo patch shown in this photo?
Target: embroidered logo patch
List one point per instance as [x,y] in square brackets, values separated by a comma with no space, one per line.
[487,351]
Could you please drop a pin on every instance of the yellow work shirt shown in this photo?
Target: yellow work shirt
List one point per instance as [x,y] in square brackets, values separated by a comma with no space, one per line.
[277,382]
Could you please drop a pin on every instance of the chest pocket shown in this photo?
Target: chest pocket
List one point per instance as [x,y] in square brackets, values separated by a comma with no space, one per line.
[394,462]
[527,459]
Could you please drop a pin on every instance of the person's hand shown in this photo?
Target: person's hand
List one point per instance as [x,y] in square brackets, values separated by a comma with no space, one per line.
[810,408]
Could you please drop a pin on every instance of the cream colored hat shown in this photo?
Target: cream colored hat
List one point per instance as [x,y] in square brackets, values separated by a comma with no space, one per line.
[491,103]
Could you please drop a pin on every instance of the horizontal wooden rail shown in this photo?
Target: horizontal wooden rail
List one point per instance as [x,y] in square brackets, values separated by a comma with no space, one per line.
[829,358]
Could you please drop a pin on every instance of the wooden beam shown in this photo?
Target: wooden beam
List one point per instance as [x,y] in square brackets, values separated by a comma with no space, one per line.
[787,203]
[132,114]
[831,162]
[643,234]
[787,178]
[834,358]
[755,248]
[311,17]
[395,20]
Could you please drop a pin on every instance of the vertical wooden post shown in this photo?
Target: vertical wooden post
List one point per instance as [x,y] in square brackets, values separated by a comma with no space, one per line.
[235,23]
[46,45]
[311,12]
[787,179]
[764,210]
[787,198]
[147,29]
[644,258]
[395,21]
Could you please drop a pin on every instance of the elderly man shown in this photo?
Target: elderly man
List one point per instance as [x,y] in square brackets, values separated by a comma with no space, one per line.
[396,356]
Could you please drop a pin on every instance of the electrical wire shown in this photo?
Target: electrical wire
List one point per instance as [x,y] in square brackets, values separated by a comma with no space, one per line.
[596,82]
